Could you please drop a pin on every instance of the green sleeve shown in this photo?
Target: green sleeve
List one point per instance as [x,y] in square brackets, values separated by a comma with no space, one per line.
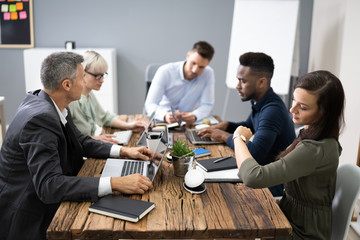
[102,117]
[301,161]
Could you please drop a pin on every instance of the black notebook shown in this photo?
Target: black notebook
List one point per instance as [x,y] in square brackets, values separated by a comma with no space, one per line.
[209,166]
[124,208]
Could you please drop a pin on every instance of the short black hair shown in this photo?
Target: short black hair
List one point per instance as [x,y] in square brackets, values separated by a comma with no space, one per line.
[259,63]
[204,49]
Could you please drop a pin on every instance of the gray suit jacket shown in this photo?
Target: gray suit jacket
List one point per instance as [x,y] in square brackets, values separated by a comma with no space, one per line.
[39,160]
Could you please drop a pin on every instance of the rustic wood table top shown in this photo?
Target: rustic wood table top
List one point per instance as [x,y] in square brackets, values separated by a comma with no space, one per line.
[224,210]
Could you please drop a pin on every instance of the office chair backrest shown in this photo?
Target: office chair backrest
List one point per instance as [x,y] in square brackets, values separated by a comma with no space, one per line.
[149,74]
[346,194]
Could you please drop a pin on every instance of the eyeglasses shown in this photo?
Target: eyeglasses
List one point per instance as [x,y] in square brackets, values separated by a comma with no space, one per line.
[99,76]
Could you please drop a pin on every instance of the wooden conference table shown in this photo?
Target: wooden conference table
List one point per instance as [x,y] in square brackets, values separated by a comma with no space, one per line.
[224,210]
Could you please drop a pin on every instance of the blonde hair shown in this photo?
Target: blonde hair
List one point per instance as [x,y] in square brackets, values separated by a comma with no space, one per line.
[94,62]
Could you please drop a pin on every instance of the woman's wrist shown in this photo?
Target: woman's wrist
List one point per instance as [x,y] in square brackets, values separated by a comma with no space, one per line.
[242,137]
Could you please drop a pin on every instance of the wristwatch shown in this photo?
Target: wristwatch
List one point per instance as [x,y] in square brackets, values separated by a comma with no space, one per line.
[240,136]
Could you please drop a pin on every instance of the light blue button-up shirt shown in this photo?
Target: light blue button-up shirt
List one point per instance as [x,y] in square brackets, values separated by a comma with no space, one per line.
[169,89]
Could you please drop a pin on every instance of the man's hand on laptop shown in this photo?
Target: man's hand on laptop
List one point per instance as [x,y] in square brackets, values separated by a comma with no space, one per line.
[222,126]
[157,158]
[108,138]
[131,184]
[136,153]
[214,133]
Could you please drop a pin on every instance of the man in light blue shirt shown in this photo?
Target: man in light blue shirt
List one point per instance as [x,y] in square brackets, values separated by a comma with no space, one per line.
[187,86]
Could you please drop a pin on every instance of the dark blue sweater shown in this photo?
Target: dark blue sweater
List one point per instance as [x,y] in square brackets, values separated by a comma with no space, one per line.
[272,126]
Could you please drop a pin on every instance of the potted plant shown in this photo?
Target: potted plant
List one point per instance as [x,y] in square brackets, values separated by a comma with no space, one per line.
[182,157]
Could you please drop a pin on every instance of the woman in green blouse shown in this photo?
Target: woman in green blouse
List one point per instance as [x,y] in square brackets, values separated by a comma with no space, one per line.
[87,113]
[307,168]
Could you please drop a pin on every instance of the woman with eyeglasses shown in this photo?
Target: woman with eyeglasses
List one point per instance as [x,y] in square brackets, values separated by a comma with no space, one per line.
[87,113]
[307,168]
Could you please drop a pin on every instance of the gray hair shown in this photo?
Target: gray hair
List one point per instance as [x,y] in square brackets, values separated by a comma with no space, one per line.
[58,67]
[94,62]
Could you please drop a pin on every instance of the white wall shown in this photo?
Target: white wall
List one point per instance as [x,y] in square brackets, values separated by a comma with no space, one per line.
[141,31]
[334,46]
[349,74]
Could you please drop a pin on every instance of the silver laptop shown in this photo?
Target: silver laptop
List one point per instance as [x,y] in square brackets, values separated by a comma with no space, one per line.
[123,167]
[142,139]
[165,139]
[196,139]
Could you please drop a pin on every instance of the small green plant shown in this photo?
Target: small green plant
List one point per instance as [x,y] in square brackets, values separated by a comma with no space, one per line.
[180,149]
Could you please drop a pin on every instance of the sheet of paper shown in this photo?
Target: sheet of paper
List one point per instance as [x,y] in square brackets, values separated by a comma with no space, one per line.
[229,175]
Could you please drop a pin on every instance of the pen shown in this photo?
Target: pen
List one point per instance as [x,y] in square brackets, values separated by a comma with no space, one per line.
[179,120]
[220,159]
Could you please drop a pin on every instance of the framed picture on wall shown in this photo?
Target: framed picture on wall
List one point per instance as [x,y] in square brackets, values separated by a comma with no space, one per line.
[16,24]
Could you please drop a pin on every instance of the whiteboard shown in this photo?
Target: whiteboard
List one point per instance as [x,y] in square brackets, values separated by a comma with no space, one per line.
[107,95]
[267,26]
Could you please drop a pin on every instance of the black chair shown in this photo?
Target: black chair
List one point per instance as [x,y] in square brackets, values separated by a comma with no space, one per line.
[149,74]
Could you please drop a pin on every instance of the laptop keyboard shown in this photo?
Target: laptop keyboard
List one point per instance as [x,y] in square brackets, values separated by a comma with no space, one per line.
[123,137]
[198,138]
[131,167]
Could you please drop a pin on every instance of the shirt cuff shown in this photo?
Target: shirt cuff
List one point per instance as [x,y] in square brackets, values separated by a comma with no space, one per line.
[115,151]
[104,186]
[230,142]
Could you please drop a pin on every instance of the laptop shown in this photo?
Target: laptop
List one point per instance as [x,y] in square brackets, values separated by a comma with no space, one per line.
[123,167]
[165,139]
[142,139]
[196,139]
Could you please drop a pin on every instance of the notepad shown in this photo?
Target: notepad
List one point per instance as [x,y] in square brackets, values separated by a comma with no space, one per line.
[208,165]
[175,124]
[229,175]
[201,152]
[124,208]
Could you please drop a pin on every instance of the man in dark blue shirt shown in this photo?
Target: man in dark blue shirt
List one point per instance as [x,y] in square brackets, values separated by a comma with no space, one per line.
[269,120]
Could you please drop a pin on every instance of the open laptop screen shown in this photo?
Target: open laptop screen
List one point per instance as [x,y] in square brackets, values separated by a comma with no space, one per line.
[120,167]
[142,140]
[164,139]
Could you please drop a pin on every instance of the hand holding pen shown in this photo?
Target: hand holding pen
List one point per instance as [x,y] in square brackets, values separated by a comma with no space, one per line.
[176,115]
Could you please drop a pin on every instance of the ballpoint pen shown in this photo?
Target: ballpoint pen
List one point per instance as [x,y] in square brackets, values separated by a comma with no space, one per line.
[178,119]
[220,159]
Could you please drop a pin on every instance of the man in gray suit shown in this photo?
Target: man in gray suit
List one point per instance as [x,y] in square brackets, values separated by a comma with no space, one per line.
[43,151]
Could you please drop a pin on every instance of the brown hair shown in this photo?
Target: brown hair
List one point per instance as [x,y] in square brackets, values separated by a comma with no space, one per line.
[330,100]
[204,49]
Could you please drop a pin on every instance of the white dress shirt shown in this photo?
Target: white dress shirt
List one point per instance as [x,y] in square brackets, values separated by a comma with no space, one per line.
[104,183]
[169,89]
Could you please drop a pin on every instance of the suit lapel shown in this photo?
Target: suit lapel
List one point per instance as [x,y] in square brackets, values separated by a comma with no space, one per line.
[74,160]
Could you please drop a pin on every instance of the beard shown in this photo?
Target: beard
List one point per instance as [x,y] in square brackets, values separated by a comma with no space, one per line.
[247,98]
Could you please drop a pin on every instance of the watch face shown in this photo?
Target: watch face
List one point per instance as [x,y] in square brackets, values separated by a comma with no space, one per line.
[243,138]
